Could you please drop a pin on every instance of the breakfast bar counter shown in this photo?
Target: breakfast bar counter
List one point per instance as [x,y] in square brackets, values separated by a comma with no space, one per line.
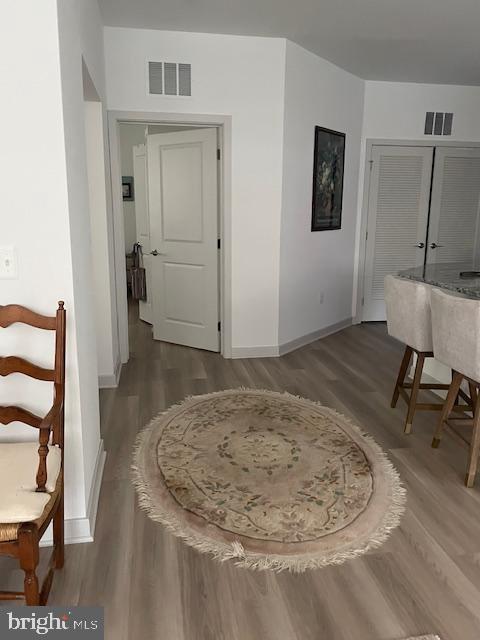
[459,277]
[462,278]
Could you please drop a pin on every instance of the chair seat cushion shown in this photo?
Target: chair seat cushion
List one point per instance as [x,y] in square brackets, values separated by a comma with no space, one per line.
[19,502]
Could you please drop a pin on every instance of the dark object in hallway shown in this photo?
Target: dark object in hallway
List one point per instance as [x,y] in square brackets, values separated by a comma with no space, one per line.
[138,274]
[127,188]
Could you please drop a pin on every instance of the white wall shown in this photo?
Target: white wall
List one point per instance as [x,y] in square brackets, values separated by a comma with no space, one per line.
[35,218]
[242,77]
[81,39]
[312,263]
[99,231]
[276,92]
[43,216]
[397,110]
[130,135]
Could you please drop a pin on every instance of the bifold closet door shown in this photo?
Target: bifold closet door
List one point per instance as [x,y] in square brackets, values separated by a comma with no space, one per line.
[453,233]
[398,204]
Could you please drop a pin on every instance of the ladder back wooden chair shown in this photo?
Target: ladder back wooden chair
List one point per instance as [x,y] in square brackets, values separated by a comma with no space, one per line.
[31,475]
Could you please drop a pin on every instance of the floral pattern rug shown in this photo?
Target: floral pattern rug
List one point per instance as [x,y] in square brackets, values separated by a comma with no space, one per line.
[268,479]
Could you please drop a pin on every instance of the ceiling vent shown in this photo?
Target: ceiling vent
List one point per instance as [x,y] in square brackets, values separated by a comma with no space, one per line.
[170,78]
[438,123]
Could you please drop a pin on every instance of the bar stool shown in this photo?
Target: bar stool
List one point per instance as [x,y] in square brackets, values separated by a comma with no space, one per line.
[456,343]
[409,320]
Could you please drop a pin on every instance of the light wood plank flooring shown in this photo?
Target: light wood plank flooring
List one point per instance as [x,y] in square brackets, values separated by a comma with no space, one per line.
[425,579]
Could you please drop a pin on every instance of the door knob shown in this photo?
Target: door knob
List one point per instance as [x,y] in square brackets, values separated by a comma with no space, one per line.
[434,245]
[156,253]
[420,245]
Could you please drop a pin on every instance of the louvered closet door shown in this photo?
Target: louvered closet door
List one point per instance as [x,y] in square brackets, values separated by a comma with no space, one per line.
[453,230]
[397,218]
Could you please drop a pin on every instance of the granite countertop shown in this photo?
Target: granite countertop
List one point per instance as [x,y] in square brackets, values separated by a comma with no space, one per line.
[447,276]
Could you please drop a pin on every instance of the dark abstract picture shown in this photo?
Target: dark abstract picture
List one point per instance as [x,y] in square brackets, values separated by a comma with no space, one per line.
[127,188]
[328,167]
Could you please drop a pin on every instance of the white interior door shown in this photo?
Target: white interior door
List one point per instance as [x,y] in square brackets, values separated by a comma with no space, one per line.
[142,224]
[454,221]
[183,201]
[397,218]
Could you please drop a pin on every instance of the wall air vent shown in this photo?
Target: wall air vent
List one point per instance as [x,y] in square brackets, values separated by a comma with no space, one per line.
[170,78]
[438,123]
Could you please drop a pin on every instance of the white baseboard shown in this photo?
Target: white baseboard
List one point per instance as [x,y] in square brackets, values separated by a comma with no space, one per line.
[78,530]
[270,351]
[273,351]
[286,347]
[95,488]
[110,381]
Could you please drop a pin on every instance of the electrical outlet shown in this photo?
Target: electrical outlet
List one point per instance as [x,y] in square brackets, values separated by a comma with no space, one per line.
[322,297]
[8,263]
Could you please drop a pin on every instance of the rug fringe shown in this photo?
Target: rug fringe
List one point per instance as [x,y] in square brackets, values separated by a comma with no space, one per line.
[235,551]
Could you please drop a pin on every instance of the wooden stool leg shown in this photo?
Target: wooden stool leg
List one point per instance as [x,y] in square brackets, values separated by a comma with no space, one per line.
[58,535]
[474,447]
[473,395]
[401,375]
[447,406]
[28,548]
[413,395]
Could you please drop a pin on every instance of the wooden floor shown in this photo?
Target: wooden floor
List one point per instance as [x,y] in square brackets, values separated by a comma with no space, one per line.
[425,579]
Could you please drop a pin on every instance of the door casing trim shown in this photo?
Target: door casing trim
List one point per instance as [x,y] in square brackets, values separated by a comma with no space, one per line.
[223,123]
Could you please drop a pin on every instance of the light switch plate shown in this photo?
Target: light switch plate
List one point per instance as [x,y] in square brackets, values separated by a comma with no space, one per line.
[8,263]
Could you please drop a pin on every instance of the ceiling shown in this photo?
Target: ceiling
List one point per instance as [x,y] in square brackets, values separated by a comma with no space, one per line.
[434,41]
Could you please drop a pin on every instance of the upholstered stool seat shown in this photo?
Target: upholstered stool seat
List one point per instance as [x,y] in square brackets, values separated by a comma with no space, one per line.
[20,501]
[456,343]
[409,320]
[408,312]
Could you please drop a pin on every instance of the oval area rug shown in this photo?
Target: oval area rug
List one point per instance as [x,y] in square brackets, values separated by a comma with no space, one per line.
[268,479]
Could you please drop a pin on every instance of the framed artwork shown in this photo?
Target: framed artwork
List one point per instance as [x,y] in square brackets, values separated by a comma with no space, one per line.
[127,188]
[328,168]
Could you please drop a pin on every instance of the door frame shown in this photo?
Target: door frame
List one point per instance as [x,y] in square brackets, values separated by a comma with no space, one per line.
[362,242]
[224,127]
